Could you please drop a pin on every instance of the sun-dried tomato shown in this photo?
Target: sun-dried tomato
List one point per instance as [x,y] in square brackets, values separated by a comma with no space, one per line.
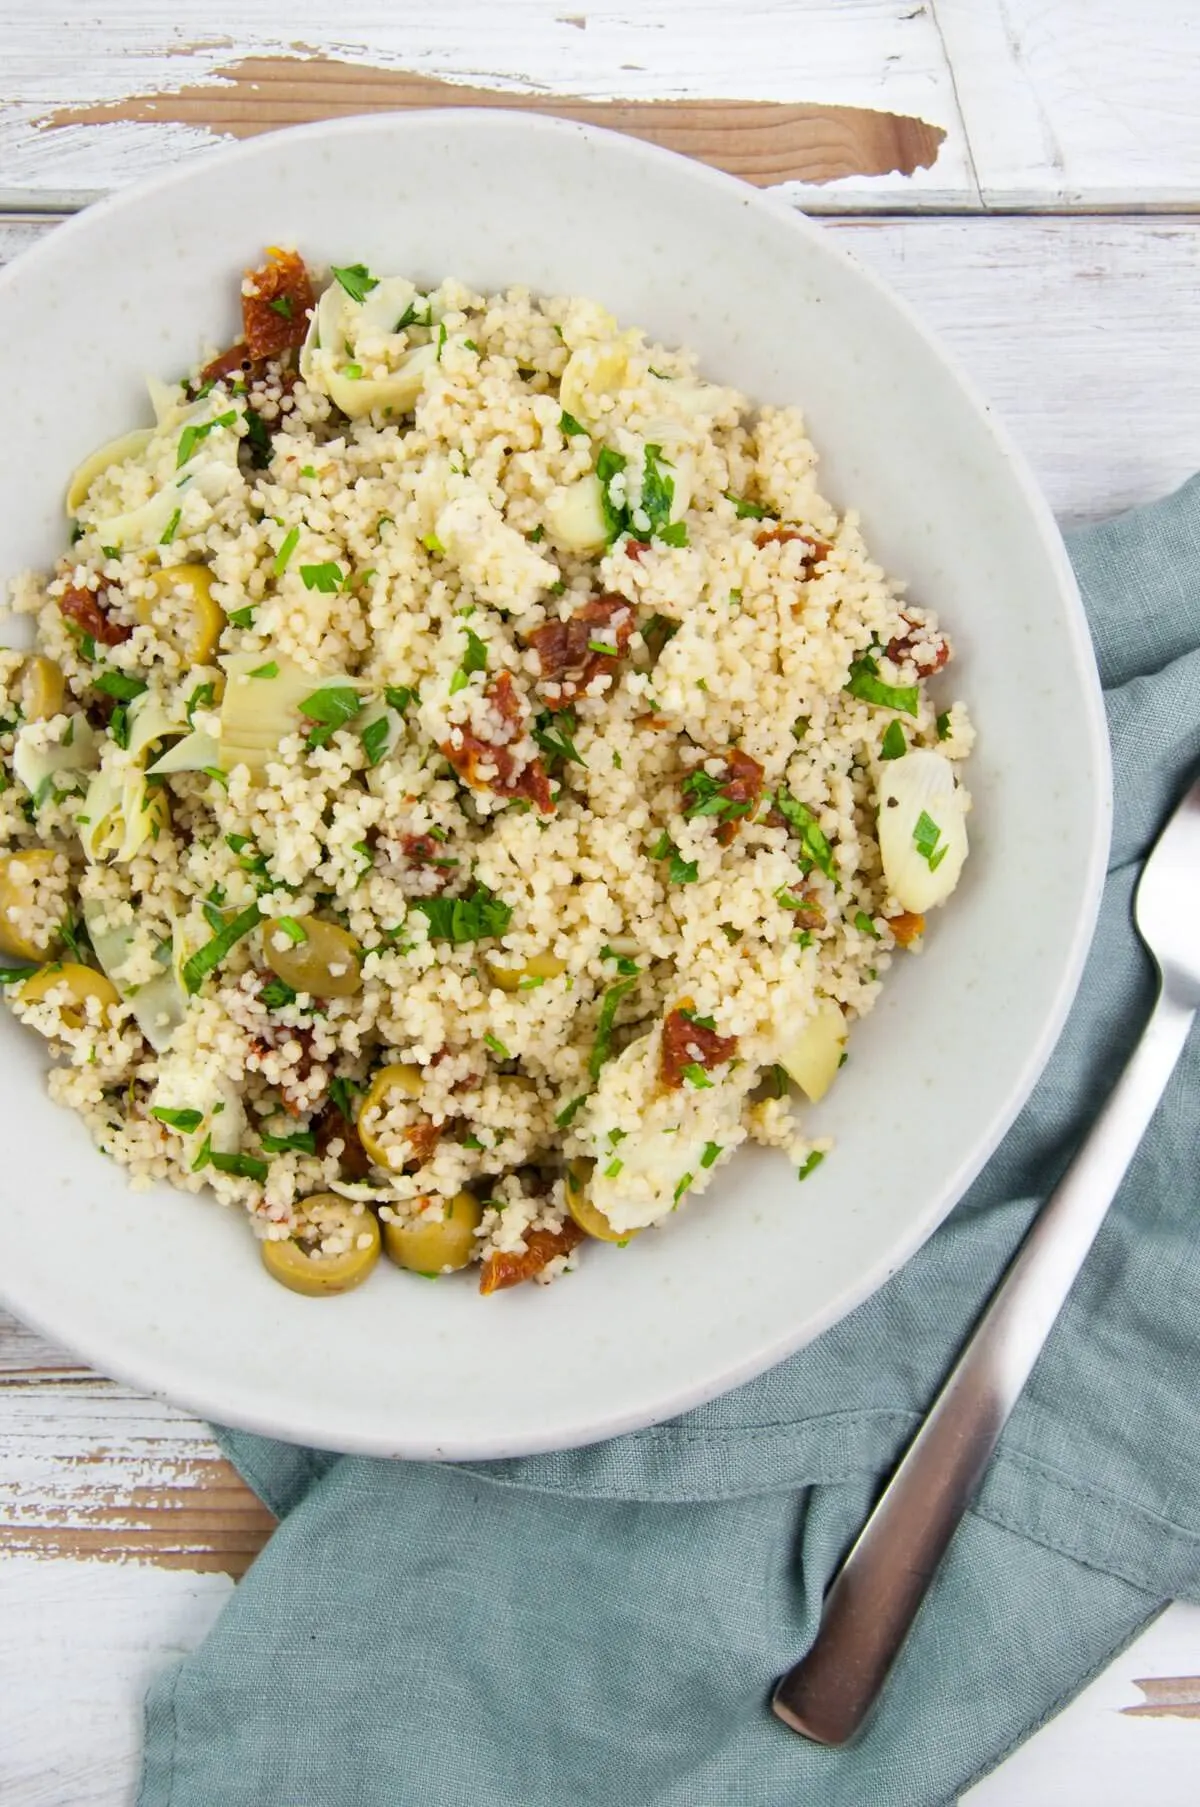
[908,927]
[90,615]
[225,363]
[501,1269]
[635,548]
[333,1126]
[507,778]
[902,647]
[565,652]
[423,1138]
[275,311]
[817,549]
[743,787]
[685,1043]
[293,1087]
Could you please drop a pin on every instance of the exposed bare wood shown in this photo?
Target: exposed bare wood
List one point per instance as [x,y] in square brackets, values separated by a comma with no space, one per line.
[1166,1697]
[765,142]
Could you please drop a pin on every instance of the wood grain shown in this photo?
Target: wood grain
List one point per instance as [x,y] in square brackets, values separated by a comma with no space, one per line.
[1167,1697]
[764,142]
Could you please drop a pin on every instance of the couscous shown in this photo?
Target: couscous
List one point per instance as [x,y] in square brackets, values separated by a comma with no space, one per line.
[465,778]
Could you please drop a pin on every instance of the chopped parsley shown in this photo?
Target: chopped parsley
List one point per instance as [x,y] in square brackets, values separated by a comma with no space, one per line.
[815,849]
[295,931]
[926,836]
[704,796]
[570,426]
[118,725]
[244,1166]
[604,648]
[399,696]
[811,1164]
[192,436]
[496,1046]
[301,1141]
[120,685]
[602,1046]
[475,917]
[748,511]
[414,315]
[865,925]
[865,683]
[441,341]
[475,658]
[553,732]
[357,281]
[943,725]
[327,577]
[242,617]
[681,871]
[171,528]
[291,540]
[627,968]
[341,1096]
[675,533]
[800,727]
[683,1185]
[431,543]
[893,745]
[613,1169]
[656,633]
[610,464]
[277,995]
[329,709]
[567,1115]
[217,775]
[258,439]
[213,952]
[270,670]
[778,1080]
[282,305]
[658,489]
[184,1121]
[537,536]
[696,1077]
[711,1151]
[375,736]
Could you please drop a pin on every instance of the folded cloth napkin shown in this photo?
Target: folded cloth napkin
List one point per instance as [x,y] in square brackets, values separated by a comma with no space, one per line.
[604,1625]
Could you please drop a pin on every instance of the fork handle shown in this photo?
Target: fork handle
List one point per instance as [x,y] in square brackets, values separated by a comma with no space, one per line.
[880,1586]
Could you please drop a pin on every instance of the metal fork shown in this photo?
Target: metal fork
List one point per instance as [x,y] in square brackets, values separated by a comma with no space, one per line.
[880,1586]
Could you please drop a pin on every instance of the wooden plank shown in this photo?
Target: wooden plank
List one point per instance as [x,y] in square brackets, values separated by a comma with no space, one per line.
[1078,102]
[850,102]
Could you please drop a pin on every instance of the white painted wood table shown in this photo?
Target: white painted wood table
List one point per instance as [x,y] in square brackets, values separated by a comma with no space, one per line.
[1027,173]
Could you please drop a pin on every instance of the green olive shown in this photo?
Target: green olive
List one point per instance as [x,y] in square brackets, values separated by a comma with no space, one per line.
[196,620]
[590,1219]
[40,689]
[426,1247]
[82,983]
[20,876]
[299,1264]
[538,966]
[390,1082]
[326,964]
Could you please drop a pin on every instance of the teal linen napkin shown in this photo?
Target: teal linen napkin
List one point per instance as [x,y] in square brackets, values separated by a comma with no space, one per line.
[604,1625]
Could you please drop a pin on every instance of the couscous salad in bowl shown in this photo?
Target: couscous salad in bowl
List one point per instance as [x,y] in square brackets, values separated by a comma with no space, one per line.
[466,774]
[489,749]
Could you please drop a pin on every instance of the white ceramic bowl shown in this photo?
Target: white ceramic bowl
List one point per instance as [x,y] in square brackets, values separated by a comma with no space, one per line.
[166,1292]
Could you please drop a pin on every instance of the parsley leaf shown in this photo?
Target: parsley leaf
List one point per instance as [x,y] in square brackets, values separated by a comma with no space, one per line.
[399,696]
[213,952]
[290,541]
[865,925]
[171,528]
[567,1115]
[626,967]
[602,1046]
[281,305]
[926,836]
[569,425]
[711,1151]
[616,515]
[357,281]
[301,1141]
[120,685]
[893,745]
[277,995]
[813,1162]
[943,725]
[675,533]
[184,1121]
[865,683]
[496,1046]
[330,709]
[191,436]
[475,658]
[327,577]
[375,738]
[475,917]
[553,731]
[658,489]
[815,849]
[242,617]
[258,439]
[748,511]
[696,1077]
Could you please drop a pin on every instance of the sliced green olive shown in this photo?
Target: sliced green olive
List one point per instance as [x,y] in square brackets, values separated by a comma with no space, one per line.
[426,1247]
[299,1263]
[40,689]
[389,1083]
[20,876]
[82,983]
[579,1206]
[196,621]
[326,963]
[538,966]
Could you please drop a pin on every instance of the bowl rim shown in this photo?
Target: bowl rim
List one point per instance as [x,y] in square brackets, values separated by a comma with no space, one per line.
[159,1380]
